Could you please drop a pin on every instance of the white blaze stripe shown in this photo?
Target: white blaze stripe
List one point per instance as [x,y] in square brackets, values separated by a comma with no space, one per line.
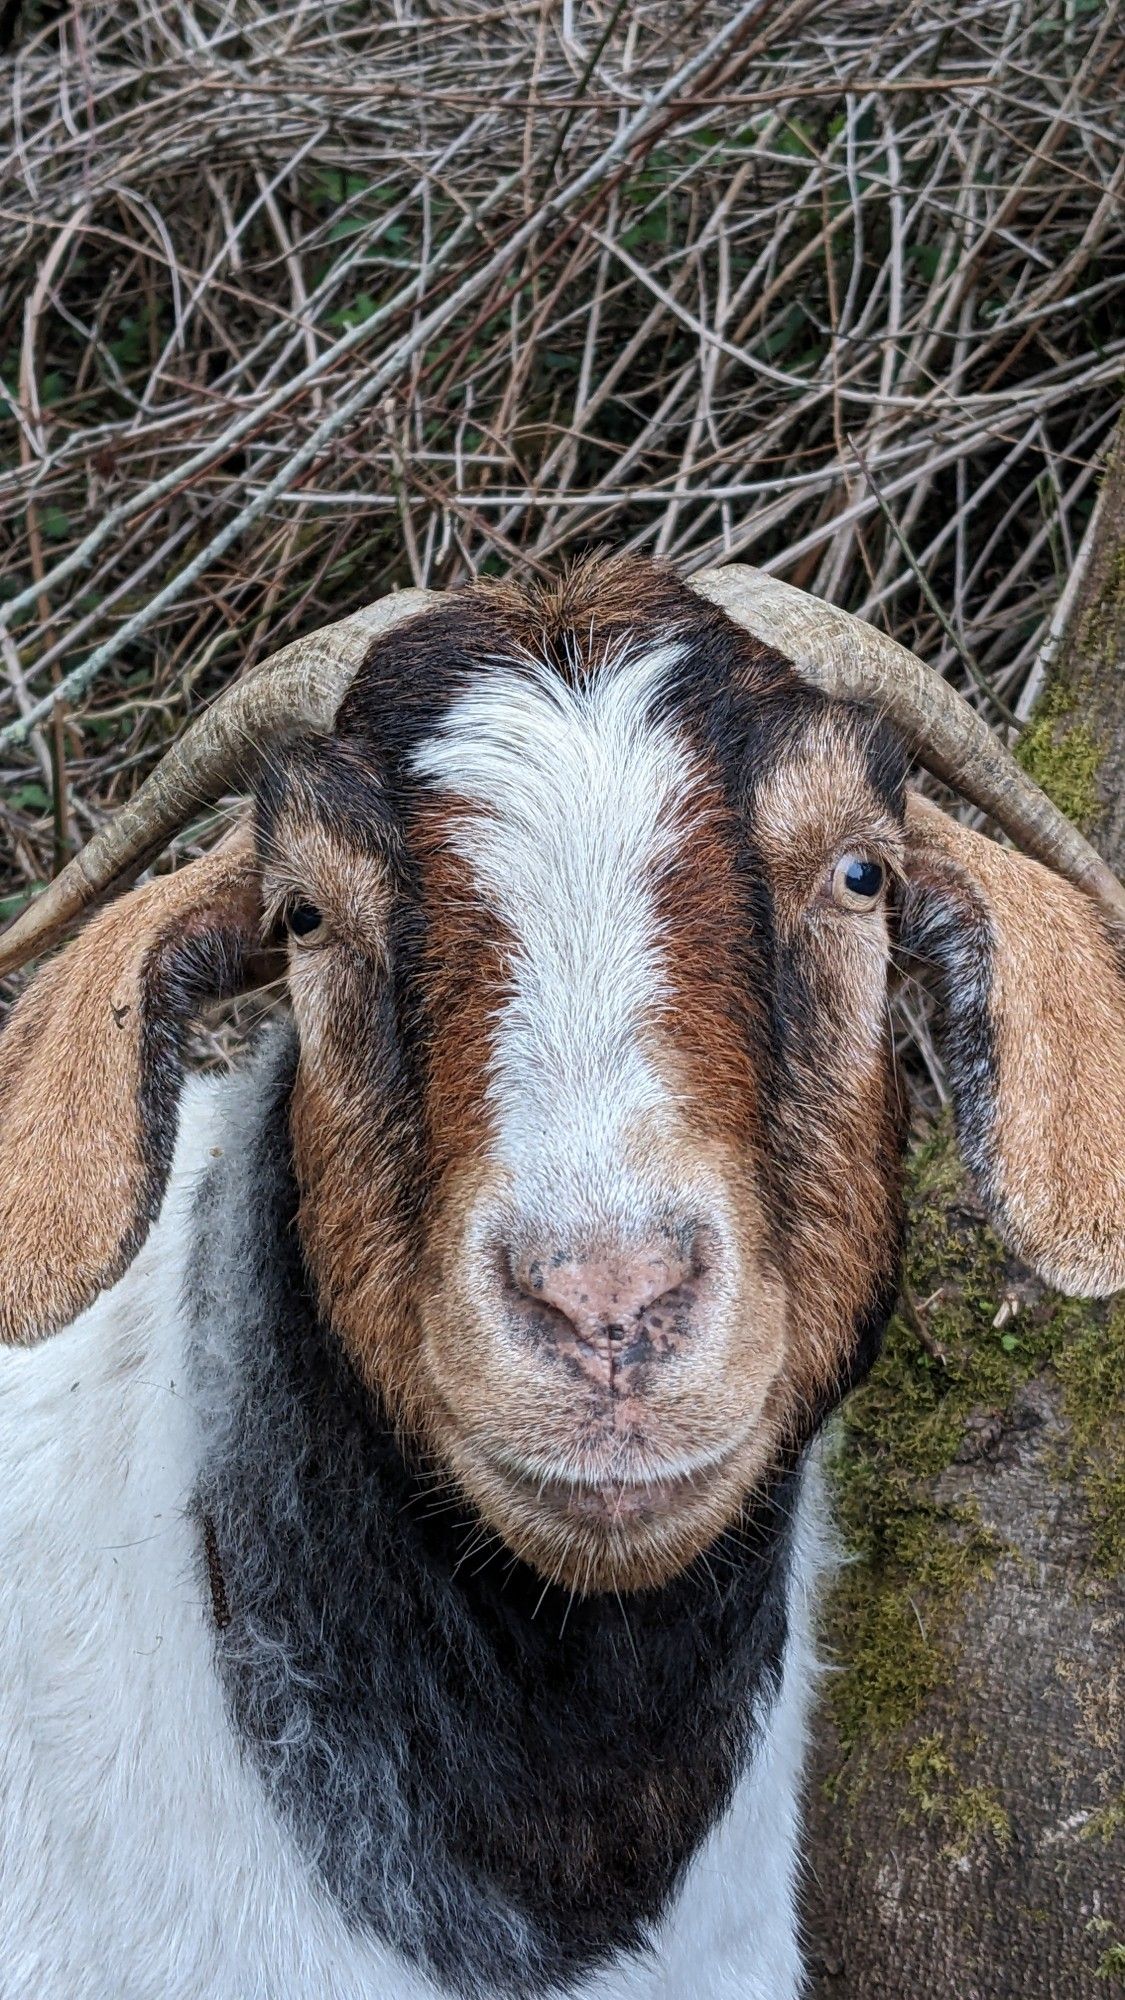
[581,797]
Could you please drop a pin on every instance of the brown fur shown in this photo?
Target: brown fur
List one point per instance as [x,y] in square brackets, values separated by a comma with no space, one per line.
[76,1176]
[842,1222]
[350,1168]
[1057,1006]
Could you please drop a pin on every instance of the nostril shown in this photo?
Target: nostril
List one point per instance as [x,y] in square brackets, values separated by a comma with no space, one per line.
[523,1284]
[669,1306]
[504,1265]
[698,1252]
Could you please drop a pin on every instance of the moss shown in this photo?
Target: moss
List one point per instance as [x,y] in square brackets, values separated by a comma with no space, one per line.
[1111,1964]
[929,1773]
[975,1812]
[1088,1356]
[1063,756]
[966,1813]
[1106,1822]
[897,1606]
[1100,633]
[1060,749]
[915,1558]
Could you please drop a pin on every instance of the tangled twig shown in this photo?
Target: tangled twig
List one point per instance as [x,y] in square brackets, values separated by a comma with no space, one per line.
[300,302]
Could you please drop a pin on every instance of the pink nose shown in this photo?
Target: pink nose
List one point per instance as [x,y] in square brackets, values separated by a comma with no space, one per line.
[610,1313]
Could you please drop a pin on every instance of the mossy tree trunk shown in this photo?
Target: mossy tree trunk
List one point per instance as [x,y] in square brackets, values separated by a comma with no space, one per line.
[967,1798]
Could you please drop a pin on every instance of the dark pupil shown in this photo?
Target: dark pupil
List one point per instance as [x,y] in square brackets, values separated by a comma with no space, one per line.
[864,878]
[303,918]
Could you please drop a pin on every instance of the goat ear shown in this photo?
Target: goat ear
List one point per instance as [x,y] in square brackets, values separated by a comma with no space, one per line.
[91,1064]
[1031,986]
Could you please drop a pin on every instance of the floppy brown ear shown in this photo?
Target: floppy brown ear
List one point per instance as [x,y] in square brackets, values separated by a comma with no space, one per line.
[91,1064]
[1031,985]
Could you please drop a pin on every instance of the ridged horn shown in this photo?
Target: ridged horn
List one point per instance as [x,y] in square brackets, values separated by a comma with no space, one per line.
[846,657]
[295,691]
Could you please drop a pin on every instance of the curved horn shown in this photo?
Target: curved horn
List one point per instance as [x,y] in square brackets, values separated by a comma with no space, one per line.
[295,690]
[846,657]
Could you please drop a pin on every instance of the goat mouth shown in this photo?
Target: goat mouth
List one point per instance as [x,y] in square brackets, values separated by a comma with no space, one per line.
[624,1521]
[611,1501]
[626,1501]
[625,1528]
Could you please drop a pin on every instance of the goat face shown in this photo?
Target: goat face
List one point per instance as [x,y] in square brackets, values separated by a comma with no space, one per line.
[594,1124]
[594,1121]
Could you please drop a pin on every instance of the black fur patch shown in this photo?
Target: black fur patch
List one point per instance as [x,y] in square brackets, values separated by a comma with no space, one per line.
[180,975]
[946,929]
[501,1782]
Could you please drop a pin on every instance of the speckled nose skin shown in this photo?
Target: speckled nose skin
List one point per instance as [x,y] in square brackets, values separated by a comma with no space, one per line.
[608,1314]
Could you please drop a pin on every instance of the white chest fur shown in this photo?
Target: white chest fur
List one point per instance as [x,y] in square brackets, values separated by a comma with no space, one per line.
[138,1855]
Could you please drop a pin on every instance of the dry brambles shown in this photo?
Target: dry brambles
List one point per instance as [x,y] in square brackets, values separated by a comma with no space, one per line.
[302,301]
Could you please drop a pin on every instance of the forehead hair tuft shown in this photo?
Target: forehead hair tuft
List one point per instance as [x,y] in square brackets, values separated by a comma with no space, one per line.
[573,625]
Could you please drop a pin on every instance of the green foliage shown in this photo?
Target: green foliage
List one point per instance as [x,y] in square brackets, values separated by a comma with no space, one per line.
[362,307]
[1111,1964]
[29,798]
[54,524]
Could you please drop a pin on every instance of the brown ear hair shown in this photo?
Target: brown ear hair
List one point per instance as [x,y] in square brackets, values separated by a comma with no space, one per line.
[91,1064]
[1031,985]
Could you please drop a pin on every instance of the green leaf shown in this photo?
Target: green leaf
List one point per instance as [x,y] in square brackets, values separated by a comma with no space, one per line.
[926,258]
[362,307]
[26,796]
[54,523]
[796,140]
[128,343]
[652,229]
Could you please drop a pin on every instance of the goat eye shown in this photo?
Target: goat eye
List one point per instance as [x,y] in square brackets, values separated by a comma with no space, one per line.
[857,882]
[303,920]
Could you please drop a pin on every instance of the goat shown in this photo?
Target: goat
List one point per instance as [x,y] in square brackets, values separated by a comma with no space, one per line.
[407,1539]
